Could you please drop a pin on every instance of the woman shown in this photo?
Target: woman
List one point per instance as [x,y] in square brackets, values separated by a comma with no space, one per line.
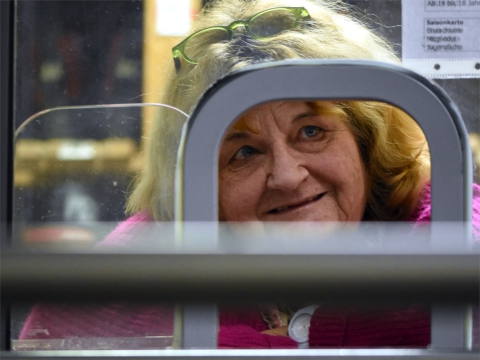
[325,32]
[287,161]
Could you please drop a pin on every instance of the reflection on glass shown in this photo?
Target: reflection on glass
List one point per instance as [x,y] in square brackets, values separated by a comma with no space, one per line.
[76,180]
[96,327]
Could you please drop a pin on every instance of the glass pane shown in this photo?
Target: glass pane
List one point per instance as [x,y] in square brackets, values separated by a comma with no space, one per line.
[70,194]
[74,168]
[80,180]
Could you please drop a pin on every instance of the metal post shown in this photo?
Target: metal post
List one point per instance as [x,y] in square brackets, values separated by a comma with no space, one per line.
[200,326]
[6,141]
[448,327]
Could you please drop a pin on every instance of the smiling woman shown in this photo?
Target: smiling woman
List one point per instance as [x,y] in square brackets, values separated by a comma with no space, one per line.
[287,167]
[230,35]
[322,161]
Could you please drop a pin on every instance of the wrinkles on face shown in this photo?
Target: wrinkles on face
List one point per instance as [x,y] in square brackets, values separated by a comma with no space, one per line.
[300,166]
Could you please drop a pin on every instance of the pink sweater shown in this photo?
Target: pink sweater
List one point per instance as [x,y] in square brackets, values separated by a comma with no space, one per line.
[241,327]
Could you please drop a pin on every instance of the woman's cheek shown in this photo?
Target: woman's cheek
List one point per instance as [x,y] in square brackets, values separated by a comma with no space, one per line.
[231,205]
[239,194]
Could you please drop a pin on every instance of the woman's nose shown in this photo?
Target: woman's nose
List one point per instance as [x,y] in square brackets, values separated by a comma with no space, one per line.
[286,170]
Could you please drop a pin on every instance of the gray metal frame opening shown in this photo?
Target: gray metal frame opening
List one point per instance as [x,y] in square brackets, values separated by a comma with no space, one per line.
[451,163]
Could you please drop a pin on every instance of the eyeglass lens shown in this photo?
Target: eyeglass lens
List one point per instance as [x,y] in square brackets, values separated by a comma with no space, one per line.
[198,42]
[272,23]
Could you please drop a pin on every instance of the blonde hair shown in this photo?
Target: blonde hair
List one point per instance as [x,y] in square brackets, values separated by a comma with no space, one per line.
[392,145]
[394,151]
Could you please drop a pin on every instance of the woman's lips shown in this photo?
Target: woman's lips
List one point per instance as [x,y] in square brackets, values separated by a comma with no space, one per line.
[297,205]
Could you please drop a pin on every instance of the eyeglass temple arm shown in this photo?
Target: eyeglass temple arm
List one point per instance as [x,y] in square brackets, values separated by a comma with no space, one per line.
[176,61]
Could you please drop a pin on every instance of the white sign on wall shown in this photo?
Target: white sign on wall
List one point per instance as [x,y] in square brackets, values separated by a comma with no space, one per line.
[172,17]
[441,38]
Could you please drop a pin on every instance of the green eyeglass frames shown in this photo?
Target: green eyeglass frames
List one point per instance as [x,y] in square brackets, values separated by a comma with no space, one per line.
[264,24]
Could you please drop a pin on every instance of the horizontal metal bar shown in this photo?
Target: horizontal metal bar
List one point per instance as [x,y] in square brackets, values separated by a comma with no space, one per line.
[348,354]
[175,277]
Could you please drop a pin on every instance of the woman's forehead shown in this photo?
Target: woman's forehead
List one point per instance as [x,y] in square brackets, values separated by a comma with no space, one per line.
[251,120]
[280,106]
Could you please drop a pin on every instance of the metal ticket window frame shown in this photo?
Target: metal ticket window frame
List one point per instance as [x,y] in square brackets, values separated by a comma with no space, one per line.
[436,114]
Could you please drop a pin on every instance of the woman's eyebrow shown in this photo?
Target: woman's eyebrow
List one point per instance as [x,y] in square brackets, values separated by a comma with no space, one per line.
[304,115]
[237,135]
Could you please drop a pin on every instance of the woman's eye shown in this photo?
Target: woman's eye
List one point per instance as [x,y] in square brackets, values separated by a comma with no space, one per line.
[244,152]
[310,131]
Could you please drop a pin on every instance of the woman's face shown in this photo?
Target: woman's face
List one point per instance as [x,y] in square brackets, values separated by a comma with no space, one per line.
[292,165]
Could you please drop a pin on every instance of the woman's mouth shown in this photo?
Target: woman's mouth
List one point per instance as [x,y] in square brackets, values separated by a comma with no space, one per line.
[297,205]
